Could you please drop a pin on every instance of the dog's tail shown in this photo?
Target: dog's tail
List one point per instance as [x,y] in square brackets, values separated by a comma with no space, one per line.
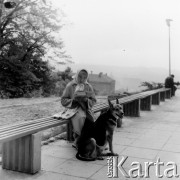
[82,158]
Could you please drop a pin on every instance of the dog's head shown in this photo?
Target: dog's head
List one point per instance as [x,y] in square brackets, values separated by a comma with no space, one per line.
[116,109]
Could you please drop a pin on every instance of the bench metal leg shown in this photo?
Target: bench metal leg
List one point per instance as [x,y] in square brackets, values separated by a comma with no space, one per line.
[132,108]
[156,99]
[146,103]
[162,96]
[23,154]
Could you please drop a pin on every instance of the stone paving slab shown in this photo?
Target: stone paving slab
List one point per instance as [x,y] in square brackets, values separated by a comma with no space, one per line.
[154,135]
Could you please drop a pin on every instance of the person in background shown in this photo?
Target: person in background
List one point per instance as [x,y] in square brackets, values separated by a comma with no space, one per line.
[79,94]
[169,83]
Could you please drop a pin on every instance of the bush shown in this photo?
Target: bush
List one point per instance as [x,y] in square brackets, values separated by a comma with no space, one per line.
[152,85]
[35,93]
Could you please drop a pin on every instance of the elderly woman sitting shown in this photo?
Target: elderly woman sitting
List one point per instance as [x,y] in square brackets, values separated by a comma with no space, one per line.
[79,94]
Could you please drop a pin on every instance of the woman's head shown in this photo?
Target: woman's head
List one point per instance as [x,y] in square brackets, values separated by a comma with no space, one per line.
[82,76]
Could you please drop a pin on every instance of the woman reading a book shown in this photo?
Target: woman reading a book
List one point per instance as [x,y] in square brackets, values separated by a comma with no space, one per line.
[79,94]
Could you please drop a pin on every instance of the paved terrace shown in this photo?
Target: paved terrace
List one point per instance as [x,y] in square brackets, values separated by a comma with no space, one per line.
[144,139]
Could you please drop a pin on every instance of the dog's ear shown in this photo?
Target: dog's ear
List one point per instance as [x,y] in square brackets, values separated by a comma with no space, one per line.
[110,104]
[117,101]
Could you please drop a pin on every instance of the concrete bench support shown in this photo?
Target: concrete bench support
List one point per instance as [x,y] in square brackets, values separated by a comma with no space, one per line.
[168,94]
[23,154]
[146,103]
[132,108]
[162,96]
[156,99]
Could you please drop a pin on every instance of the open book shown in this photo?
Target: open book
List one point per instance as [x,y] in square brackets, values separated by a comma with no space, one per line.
[65,114]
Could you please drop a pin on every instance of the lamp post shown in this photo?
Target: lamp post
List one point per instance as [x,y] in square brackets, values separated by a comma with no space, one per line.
[168,24]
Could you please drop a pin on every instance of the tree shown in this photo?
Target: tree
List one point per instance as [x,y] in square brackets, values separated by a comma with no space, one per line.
[61,79]
[27,33]
[67,74]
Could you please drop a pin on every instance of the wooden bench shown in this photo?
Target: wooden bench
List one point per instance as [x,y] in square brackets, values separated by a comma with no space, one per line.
[21,142]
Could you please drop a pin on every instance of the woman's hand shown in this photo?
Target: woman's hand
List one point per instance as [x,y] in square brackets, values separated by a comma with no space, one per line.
[81,98]
[85,99]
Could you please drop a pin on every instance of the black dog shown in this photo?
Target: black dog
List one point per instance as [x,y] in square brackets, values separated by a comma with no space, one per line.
[96,135]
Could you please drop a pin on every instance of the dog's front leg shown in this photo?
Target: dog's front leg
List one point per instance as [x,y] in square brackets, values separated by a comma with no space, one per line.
[110,140]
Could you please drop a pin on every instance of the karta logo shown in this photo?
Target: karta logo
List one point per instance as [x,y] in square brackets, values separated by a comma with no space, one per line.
[135,171]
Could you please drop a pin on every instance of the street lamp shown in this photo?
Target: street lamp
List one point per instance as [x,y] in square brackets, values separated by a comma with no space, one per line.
[168,24]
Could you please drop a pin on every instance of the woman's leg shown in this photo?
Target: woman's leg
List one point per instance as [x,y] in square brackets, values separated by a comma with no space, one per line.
[78,121]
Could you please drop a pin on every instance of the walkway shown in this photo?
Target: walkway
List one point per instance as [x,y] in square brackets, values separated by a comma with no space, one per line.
[144,139]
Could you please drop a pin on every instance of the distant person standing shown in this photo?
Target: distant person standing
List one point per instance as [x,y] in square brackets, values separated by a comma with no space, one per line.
[169,83]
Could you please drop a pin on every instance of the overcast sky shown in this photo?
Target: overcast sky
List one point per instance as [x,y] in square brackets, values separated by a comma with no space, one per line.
[122,32]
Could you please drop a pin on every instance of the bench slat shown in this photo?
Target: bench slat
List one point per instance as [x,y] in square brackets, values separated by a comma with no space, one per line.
[28,126]
[22,123]
[32,130]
